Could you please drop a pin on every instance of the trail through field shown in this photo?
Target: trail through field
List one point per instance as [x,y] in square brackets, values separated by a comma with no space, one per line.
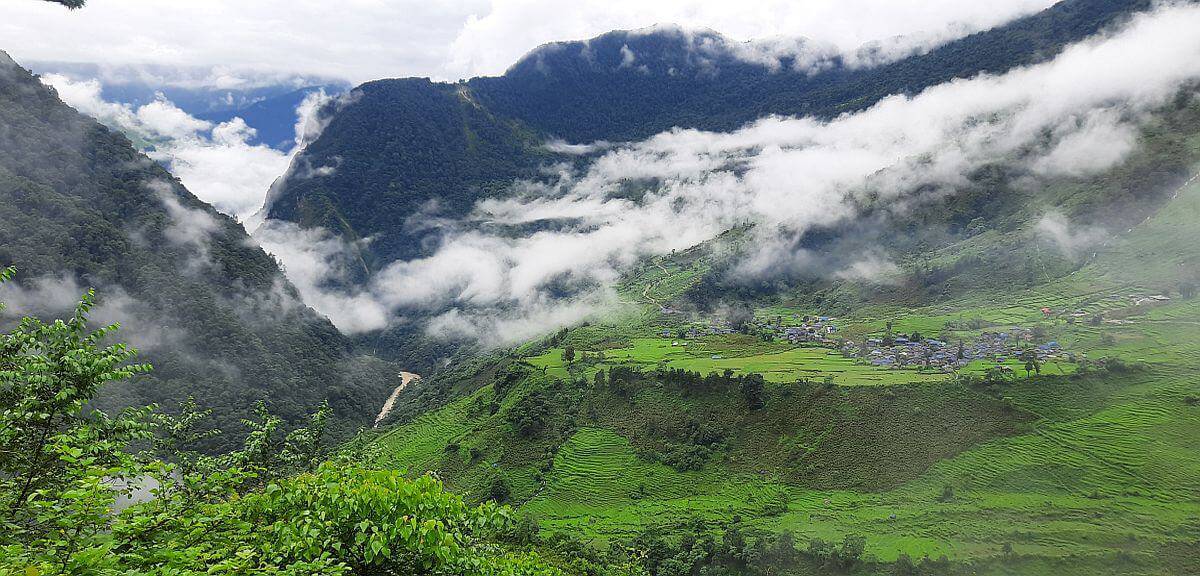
[405,379]
[650,285]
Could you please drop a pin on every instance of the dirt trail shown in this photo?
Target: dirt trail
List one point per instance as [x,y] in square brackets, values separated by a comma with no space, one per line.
[650,286]
[405,379]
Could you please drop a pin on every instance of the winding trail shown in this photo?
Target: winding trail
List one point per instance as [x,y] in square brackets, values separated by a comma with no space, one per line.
[405,379]
[650,286]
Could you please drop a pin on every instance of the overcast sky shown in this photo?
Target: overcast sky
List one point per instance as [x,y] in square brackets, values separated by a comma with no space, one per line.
[361,40]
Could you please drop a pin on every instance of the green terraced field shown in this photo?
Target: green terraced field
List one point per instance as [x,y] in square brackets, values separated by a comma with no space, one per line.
[716,354]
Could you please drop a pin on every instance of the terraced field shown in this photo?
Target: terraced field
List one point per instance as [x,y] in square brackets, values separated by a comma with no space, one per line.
[711,354]
[601,488]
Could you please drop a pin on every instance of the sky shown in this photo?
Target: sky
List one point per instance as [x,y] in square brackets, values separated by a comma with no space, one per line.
[362,40]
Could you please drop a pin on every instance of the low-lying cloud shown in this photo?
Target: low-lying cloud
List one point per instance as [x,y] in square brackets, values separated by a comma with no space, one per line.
[1071,240]
[216,162]
[1075,115]
[55,296]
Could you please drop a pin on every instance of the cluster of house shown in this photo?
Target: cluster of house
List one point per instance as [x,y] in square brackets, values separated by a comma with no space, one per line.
[811,329]
[693,332]
[900,351]
[913,352]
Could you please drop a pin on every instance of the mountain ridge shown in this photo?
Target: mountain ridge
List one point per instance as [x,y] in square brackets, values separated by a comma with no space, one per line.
[219,320]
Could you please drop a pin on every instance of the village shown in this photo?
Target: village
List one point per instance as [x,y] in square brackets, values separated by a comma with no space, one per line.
[898,351]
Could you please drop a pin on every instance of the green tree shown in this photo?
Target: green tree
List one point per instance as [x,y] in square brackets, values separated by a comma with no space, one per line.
[54,455]
[267,508]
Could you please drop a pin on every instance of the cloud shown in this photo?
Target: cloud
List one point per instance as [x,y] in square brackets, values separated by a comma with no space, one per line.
[785,176]
[1071,240]
[1097,140]
[216,162]
[564,147]
[55,296]
[229,44]
[189,228]
[864,32]
[223,169]
[317,263]
[871,267]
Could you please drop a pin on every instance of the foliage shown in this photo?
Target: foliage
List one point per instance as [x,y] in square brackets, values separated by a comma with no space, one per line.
[271,507]
[529,415]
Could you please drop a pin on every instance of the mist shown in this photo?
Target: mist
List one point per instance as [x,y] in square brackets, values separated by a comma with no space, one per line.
[215,161]
[1076,115]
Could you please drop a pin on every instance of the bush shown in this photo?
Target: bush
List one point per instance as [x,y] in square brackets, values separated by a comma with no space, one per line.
[497,489]
[685,457]
[529,415]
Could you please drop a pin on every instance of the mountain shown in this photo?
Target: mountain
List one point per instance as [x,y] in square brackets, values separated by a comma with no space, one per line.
[410,148]
[1006,407]
[628,85]
[400,149]
[79,207]
[1011,397]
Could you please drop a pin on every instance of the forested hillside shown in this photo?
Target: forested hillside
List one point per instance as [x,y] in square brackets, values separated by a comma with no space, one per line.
[628,85]
[80,208]
[409,151]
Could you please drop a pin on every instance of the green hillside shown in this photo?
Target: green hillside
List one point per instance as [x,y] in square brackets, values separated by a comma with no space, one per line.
[659,428]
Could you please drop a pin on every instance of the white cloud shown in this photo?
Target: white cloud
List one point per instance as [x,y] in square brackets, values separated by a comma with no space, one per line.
[312,260]
[216,162]
[1097,140]
[1070,239]
[55,296]
[235,42]
[785,176]
[189,227]
[868,31]
[224,169]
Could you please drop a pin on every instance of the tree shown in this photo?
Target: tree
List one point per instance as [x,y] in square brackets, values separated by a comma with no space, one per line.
[50,446]
[753,390]
[1188,288]
[1032,363]
[568,354]
[740,317]
[530,414]
[71,4]
[248,512]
